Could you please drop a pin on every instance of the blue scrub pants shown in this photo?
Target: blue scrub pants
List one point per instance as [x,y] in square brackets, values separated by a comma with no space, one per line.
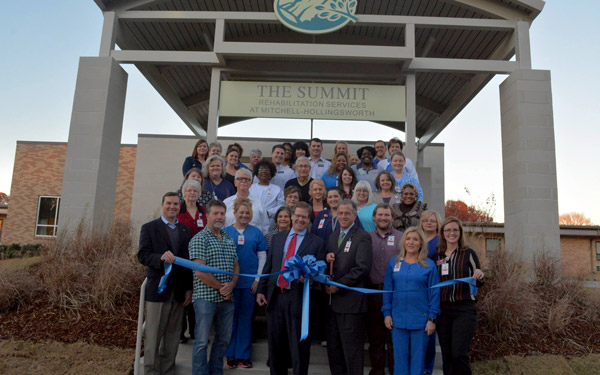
[240,346]
[409,351]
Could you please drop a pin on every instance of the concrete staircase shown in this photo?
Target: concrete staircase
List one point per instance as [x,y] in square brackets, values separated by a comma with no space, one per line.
[319,364]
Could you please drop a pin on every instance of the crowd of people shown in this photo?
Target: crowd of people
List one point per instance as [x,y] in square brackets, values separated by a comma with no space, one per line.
[365,216]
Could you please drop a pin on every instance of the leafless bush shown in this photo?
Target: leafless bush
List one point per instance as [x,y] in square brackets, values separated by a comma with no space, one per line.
[90,269]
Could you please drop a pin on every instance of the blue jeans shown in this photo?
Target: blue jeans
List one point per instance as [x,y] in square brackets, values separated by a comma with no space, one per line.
[207,313]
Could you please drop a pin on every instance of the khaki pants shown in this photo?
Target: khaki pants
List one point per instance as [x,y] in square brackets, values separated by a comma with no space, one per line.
[161,336]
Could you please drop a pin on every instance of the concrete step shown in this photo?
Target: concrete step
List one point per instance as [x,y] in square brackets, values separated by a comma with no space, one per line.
[319,364]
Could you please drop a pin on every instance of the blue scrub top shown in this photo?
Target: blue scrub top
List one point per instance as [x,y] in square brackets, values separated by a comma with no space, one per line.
[365,215]
[254,241]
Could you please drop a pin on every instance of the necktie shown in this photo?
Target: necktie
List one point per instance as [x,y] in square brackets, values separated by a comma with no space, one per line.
[340,238]
[281,282]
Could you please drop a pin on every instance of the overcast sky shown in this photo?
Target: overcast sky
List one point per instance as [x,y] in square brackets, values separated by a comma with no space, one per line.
[42,41]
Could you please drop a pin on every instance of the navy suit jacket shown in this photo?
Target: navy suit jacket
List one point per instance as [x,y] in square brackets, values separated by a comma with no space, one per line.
[311,245]
[154,241]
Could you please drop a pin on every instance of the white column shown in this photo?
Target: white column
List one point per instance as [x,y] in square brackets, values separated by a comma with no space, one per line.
[430,163]
[90,176]
[410,149]
[213,107]
[529,164]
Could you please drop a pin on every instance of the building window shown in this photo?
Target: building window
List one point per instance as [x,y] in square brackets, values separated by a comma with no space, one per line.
[492,246]
[47,216]
[598,251]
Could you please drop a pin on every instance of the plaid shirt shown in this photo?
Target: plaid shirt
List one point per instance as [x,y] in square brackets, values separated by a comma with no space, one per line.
[216,253]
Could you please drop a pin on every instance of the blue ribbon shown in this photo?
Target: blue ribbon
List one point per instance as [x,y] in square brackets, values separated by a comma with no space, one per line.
[308,267]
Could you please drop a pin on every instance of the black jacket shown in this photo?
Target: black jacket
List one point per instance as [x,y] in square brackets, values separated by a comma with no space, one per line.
[154,241]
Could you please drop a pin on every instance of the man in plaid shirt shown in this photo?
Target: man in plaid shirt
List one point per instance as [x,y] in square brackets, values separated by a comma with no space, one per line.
[212,295]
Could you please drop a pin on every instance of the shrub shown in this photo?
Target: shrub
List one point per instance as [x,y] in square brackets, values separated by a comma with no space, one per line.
[90,269]
[543,313]
[80,270]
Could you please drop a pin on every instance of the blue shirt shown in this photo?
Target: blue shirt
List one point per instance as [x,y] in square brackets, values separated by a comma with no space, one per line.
[432,247]
[365,215]
[172,226]
[221,191]
[254,241]
[405,179]
[413,301]
[330,180]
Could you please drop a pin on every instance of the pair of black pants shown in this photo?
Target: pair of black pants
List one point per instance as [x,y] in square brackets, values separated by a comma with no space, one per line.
[345,343]
[456,327]
[284,330]
[189,315]
[381,351]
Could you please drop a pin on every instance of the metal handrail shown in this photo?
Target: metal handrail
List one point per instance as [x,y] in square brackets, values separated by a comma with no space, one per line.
[140,329]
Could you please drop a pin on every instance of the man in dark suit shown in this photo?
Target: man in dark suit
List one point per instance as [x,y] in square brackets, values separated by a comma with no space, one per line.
[160,241]
[349,249]
[283,299]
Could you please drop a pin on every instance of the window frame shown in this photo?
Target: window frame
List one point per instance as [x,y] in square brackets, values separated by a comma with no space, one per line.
[491,252]
[37,217]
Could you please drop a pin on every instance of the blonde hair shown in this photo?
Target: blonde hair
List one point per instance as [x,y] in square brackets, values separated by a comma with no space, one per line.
[428,213]
[422,252]
[242,202]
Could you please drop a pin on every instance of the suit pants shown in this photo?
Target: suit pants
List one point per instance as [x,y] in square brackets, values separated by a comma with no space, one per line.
[161,336]
[381,350]
[284,329]
[345,343]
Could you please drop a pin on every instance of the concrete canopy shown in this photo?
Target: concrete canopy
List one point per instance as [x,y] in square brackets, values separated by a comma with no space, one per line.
[451,48]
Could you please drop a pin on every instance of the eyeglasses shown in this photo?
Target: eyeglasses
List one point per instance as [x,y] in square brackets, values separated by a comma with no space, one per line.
[263,170]
[242,179]
[302,166]
[410,194]
[451,230]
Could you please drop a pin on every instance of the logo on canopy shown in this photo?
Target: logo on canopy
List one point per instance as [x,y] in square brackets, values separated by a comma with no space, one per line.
[315,16]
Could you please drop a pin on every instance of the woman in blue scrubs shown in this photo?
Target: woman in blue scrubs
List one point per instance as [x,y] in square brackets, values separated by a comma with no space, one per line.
[411,311]
[251,251]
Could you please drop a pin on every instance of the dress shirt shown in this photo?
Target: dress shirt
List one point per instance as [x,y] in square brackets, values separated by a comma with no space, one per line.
[172,226]
[299,240]
[383,251]
[319,167]
[282,175]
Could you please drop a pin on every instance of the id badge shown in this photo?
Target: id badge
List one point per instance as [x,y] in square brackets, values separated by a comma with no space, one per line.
[391,240]
[347,247]
[397,267]
[321,223]
[199,223]
[241,239]
[445,269]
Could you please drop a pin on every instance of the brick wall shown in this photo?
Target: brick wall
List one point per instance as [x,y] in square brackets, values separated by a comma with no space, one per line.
[38,171]
[576,255]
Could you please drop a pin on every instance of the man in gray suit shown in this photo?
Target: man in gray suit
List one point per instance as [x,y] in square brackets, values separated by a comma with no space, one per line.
[349,249]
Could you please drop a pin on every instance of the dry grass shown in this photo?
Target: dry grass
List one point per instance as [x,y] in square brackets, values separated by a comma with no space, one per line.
[80,270]
[21,357]
[550,314]
[13,264]
[91,270]
[539,365]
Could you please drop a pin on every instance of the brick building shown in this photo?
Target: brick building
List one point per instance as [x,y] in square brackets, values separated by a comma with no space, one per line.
[37,185]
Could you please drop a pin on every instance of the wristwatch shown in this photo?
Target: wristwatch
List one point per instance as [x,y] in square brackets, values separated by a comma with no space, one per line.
[432,320]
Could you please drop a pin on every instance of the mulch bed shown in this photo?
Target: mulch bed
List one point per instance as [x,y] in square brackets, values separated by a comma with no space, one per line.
[41,322]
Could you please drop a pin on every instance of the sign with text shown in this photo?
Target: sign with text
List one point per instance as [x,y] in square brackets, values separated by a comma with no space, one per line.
[312,100]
